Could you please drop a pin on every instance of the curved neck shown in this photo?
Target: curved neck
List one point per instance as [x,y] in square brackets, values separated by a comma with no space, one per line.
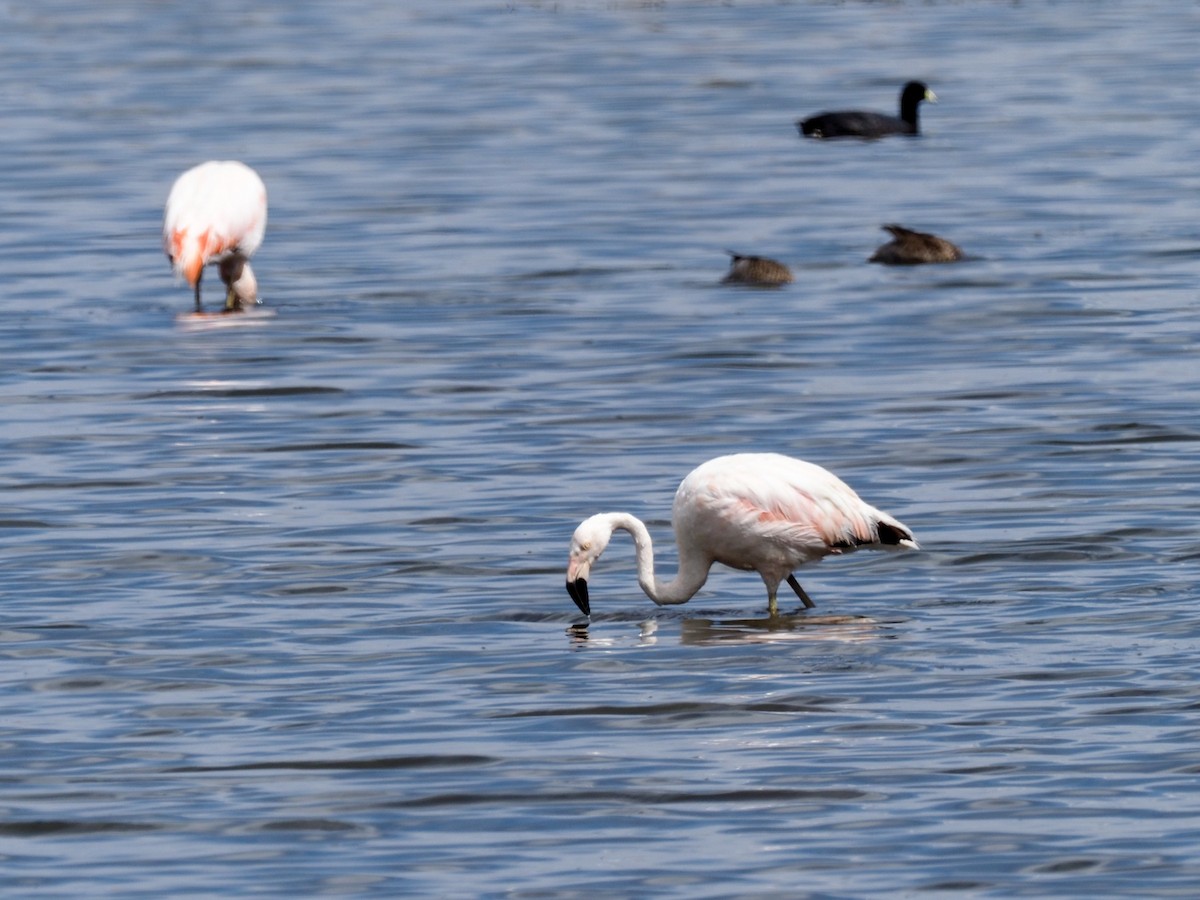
[693,568]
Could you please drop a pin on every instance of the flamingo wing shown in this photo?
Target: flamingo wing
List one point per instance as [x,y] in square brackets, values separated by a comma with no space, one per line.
[755,504]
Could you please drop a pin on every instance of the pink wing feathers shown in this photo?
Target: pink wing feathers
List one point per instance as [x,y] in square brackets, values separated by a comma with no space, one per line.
[749,499]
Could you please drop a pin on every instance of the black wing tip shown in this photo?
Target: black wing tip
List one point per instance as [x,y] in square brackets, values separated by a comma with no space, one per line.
[890,535]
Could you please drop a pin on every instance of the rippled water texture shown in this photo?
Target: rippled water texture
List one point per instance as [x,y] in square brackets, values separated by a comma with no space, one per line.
[283,607]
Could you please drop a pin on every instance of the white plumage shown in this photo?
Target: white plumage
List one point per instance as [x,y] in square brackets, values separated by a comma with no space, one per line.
[753,511]
[217,213]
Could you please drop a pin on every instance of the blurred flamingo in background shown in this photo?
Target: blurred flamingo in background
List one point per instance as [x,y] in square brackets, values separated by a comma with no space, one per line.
[217,212]
[753,511]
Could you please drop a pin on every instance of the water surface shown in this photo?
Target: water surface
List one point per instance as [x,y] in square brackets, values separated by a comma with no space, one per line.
[283,606]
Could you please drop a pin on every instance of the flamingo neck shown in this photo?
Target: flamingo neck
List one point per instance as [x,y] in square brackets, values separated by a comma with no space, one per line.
[693,569]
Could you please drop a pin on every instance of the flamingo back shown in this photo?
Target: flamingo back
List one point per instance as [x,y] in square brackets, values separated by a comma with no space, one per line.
[770,512]
[214,209]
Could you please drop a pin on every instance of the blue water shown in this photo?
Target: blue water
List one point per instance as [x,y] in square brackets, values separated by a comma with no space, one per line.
[283,607]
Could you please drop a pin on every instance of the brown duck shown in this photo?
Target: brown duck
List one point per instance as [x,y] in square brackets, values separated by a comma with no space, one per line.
[909,248]
[756,270]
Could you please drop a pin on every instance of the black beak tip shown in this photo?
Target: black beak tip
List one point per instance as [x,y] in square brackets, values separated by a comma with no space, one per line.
[578,591]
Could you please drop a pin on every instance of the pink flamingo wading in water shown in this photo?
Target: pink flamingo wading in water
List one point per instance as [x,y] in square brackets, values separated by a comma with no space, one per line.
[217,213]
[753,511]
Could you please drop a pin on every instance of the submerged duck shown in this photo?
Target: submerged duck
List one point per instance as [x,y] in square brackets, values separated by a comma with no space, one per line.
[855,123]
[909,248]
[756,270]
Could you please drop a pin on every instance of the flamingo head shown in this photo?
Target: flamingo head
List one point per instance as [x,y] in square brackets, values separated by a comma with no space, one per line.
[243,286]
[588,542]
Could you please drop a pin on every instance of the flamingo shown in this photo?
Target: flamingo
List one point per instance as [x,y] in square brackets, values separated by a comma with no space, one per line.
[753,511]
[217,212]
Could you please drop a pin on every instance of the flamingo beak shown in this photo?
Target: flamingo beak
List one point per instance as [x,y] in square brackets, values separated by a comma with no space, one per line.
[578,591]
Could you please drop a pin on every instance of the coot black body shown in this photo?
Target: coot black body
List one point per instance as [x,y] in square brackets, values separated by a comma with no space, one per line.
[859,124]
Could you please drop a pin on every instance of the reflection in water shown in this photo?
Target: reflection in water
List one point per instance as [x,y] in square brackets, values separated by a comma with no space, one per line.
[207,321]
[579,634]
[765,630]
[798,627]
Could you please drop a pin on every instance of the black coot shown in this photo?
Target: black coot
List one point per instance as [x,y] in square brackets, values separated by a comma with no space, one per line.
[854,123]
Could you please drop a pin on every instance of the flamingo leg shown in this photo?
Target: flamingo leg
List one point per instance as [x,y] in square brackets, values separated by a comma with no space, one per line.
[198,292]
[808,604]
